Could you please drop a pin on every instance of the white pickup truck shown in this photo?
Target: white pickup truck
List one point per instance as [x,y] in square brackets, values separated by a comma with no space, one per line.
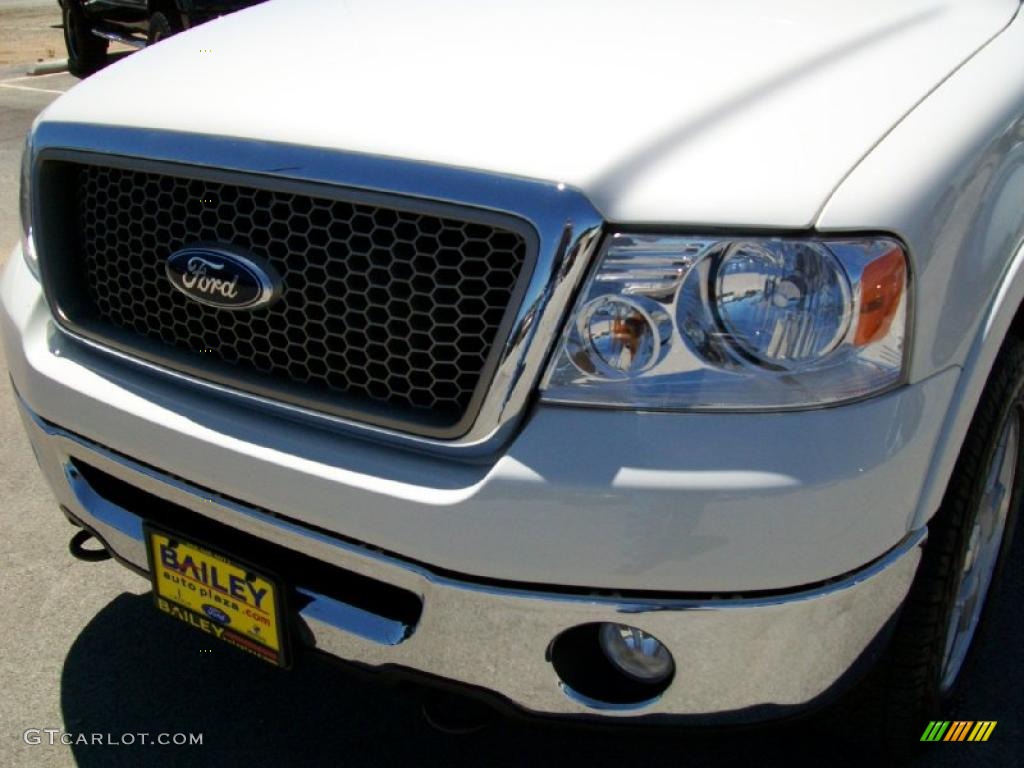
[654,360]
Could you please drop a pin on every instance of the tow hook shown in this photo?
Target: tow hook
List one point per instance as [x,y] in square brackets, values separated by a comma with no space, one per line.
[77,548]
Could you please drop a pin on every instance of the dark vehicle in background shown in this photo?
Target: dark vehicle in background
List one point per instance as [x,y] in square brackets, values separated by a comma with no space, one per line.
[91,25]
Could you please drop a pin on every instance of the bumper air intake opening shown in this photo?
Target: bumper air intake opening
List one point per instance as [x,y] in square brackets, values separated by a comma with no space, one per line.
[295,569]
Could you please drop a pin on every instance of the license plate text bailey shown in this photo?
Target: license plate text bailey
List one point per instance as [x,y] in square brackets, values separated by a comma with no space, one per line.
[216,595]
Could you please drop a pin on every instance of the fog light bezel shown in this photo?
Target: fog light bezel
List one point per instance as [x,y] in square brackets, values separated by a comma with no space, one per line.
[586,674]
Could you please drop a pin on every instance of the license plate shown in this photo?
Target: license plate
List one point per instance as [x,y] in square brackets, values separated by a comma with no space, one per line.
[217,594]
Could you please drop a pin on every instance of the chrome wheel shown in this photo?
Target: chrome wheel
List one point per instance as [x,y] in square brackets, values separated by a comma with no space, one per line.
[983,547]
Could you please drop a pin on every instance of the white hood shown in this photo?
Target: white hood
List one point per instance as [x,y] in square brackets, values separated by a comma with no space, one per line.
[703,112]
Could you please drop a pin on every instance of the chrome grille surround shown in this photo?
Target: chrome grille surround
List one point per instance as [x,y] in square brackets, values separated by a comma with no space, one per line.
[564,223]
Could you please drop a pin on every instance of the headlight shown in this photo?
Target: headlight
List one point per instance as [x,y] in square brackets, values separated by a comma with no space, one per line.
[735,323]
[782,306]
[28,246]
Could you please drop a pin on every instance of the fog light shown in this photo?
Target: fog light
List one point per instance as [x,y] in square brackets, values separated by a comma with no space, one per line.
[635,653]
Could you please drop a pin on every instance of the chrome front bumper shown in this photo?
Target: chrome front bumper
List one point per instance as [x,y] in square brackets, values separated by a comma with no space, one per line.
[736,657]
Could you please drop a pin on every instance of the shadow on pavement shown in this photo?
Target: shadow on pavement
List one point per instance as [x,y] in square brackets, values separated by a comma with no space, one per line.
[134,670]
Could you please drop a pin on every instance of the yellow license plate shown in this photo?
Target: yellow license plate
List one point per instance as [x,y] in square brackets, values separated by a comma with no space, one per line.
[217,595]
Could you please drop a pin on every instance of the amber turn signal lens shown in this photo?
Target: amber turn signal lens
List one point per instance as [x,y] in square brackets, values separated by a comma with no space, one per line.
[882,285]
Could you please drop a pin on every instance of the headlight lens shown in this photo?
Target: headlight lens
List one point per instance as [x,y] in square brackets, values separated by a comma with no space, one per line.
[783,306]
[735,323]
[620,336]
[28,246]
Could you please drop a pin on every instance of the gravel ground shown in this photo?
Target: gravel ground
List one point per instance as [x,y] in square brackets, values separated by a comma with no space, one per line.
[30,31]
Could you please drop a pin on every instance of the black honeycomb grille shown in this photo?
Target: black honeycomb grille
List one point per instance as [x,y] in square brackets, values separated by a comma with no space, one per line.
[380,305]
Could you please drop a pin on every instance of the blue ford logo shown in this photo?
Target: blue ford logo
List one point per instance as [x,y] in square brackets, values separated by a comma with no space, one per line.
[222,276]
[216,614]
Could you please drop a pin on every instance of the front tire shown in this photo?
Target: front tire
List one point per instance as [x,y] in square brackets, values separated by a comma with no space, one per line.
[968,539]
[161,26]
[86,52]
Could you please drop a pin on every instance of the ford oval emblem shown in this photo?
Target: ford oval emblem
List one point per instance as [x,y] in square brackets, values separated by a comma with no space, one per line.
[216,614]
[223,276]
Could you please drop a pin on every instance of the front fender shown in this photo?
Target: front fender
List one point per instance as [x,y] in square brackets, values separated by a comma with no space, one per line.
[949,180]
[983,351]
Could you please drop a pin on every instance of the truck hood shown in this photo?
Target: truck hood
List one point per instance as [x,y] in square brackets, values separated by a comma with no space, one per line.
[746,112]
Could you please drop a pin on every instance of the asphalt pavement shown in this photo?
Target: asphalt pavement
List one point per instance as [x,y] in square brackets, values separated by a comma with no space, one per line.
[83,650]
